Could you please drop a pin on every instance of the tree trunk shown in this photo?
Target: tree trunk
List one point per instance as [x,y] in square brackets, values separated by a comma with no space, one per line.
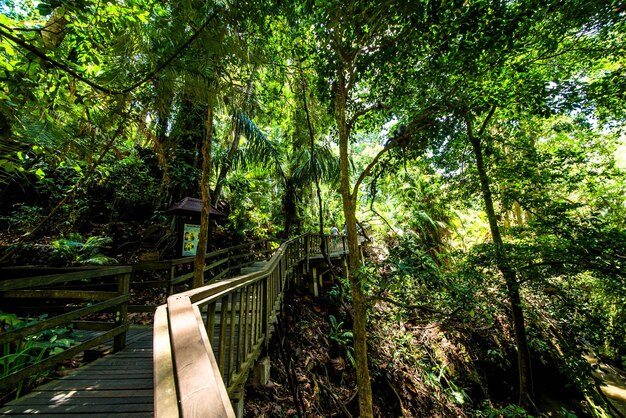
[358,297]
[198,273]
[316,177]
[234,146]
[289,206]
[512,285]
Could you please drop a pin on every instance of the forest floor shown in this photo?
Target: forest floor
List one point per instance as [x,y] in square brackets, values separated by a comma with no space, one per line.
[305,375]
[312,369]
[312,373]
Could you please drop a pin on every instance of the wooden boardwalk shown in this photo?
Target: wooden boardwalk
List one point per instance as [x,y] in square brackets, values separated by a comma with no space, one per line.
[122,383]
[119,383]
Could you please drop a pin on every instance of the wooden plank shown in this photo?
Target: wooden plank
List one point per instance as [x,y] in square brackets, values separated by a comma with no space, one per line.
[223,394]
[210,319]
[108,374]
[45,364]
[121,319]
[246,321]
[93,325]
[242,255]
[151,265]
[215,264]
[241,335]
[183,278]
[165,397]
[74,409]
[94,384]
[29,282]
[126,363]
[61,396]
[82,415]
[222,273]
[142,308]
[149,284]
[259,309]
[231,341]
[60,319]
[59,294]
[198,392]
[222,344]
[265,308]
[185,260]
[63,399]
[253,314]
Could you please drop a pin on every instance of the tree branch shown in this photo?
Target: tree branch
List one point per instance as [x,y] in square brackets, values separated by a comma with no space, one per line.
[487,120]
[423,119]
[93,84]
[362,112]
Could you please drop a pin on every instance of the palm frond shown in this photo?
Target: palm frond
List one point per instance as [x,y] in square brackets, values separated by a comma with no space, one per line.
[321,163]
[258,149]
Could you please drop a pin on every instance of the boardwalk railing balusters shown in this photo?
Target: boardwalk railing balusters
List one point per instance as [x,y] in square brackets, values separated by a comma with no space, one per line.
[205,340]
[67,286]
[238,331]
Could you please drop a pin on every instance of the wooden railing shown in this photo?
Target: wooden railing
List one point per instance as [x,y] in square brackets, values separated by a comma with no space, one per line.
[175,272]
[81,309]
[75,296]
[234,317]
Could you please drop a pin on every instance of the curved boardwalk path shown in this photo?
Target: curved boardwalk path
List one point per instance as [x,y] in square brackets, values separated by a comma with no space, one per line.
[119,383]
[123,383]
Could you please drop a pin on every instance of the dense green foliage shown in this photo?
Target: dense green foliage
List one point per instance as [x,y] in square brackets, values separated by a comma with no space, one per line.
[486,152]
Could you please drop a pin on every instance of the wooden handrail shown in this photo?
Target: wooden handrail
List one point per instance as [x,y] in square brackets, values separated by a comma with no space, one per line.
[116,278]
[242,307]
[219,263]
[247,308]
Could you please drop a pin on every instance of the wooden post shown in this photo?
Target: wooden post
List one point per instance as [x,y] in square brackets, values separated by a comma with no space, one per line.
[246,322]
[123,288]
[266,312]
[221,352]
[210,321]
[231,343]
[241,329]
[170,285]
[307,249]
[315,292]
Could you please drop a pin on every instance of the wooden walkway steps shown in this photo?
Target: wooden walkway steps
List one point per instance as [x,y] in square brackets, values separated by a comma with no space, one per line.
[118,384]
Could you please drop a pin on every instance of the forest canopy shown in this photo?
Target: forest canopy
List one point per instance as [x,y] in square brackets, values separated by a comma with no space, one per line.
[480,143]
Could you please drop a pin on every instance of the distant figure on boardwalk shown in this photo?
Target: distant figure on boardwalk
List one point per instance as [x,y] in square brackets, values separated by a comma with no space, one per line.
[335,233]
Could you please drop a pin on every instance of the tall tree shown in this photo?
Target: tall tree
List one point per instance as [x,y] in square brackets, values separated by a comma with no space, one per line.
[353,36]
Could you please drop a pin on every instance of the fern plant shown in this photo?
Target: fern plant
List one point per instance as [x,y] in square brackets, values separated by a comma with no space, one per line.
[342,338]
[32,349]
[73,250]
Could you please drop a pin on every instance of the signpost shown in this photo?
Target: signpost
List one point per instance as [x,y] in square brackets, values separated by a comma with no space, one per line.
[191,233]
